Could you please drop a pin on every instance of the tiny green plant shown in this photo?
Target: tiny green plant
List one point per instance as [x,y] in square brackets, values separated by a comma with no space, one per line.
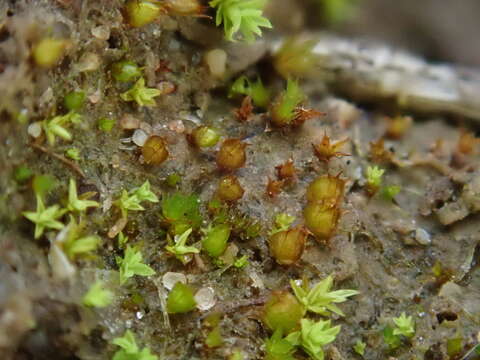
[129,349]
[391,340]
[131,201]
[241,262]
[106,124]
[180,249]
[404,325]
[255,89]
[45,218]
[56,126]
[319,299]
[244,16]
[277,348]
[359,347]
[122,240]
[76,245]
[374,178]
[73,153]
[282,223]
[141,94]
[389,192]
[131,264]
[181,212]
[313,336]
[74,203]
[97,296]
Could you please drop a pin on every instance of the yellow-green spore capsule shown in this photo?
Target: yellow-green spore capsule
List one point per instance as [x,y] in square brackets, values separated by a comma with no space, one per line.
[326,189]
[321,220]
[287,246]
[204,136]
[125,71]
[215,240]
[230,189]
[49,51]
[282,312]
[141,12]
[180,299]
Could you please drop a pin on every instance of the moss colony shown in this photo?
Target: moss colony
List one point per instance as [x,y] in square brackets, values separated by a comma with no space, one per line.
[174,186]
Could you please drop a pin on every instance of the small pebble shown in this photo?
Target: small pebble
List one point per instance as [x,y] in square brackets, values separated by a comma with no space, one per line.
[146,127]
[88,62]
[216,61]
[101,32]
[166,87]
[171,278]
[205,298]
[139,137]
[422,237]
[129,122]
[35,129]
[177,126]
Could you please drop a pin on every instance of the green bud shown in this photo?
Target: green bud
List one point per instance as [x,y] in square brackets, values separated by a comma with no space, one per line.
[22,174]
[204,136]
[106,124]
[74,100]
[215,240]
[42,184]
[214,338]
[282,312]
[180,299]
[73,153]
[125,71]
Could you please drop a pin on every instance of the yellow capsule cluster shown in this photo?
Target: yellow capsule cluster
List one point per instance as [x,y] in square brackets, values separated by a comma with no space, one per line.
[324,196]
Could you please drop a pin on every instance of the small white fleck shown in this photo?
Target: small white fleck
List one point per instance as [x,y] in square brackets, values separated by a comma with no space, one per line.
[422,236]
[139,315]
[139,137]
[35,129]
[205,298]
[171,278]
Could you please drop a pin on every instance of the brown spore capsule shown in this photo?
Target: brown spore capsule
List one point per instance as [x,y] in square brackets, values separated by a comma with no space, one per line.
[287,246]
[327,149]
[184,7]
[155,150]
[232,155]
[229,189]
[286,171]
[274,187]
